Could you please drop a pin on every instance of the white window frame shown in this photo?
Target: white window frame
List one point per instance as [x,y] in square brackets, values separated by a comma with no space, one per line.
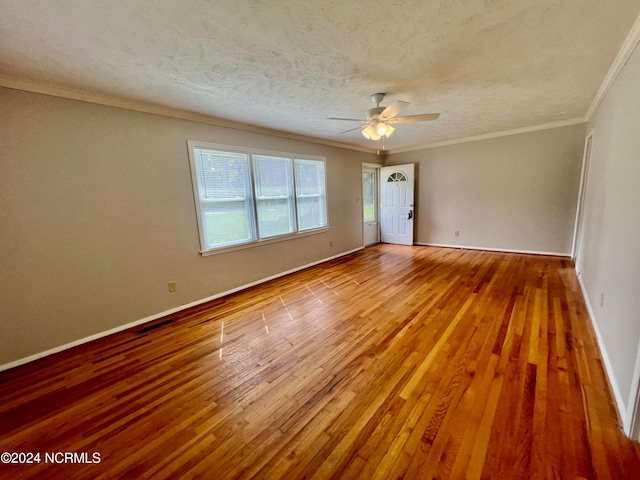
[298,195]
[194,145]
[290,197]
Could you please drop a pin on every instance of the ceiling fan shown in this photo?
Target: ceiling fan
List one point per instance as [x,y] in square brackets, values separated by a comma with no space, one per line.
[379,119]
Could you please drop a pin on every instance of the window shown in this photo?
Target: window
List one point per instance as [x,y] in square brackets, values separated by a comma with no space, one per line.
[397,177]
[274,196]
[310,194]
[369,197]
[226,204]
[249,196]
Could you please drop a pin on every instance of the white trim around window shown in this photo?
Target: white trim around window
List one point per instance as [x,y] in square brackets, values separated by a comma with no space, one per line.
[245,197]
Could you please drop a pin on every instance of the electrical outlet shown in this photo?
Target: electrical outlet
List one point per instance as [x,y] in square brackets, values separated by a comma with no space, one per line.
[456,233]
[173,287]
[602,300]
[331,243]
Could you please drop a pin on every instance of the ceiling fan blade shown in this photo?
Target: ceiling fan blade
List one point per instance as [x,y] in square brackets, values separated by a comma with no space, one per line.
[350,130]
[349,119]
[414,118]
[394,109]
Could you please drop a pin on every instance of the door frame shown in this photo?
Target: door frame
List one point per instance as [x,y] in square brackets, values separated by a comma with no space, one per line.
[577,230]
[377,167]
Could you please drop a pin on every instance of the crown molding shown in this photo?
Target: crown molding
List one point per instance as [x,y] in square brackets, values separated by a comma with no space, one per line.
[138,106]
[629,45]
[486,136]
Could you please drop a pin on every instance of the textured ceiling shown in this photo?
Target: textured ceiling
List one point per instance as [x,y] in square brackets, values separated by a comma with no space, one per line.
[486,65]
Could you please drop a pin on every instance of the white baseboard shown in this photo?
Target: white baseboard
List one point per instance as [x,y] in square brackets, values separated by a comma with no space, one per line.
[171,311]
[622,406]
[505,250]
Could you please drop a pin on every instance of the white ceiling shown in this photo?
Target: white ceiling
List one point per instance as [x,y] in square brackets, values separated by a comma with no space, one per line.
[486,65]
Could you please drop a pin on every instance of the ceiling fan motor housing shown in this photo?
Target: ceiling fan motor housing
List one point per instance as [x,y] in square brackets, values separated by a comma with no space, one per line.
[374,112]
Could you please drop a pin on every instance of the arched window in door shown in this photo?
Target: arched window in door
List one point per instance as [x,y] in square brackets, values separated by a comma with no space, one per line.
[397,177]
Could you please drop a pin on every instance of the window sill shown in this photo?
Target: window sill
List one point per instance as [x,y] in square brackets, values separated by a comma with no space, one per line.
[259,243]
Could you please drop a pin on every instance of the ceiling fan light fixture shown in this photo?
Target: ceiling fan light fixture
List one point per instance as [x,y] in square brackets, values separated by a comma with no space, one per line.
[381,128]
[390,130]
[370,133]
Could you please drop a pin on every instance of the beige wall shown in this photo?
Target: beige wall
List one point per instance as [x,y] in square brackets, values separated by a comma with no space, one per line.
[609,251]
[97,215]
[517,192]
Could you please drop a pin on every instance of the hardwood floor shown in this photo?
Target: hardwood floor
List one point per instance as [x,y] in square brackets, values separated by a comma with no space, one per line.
[395,362]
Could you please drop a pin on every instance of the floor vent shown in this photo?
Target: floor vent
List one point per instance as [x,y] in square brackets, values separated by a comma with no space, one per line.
[154,327]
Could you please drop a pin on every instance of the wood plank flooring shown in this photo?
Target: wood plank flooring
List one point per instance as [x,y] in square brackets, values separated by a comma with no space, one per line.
[395,362]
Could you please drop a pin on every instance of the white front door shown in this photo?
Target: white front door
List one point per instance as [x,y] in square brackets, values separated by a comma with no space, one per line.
[370,205]
[396,204]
